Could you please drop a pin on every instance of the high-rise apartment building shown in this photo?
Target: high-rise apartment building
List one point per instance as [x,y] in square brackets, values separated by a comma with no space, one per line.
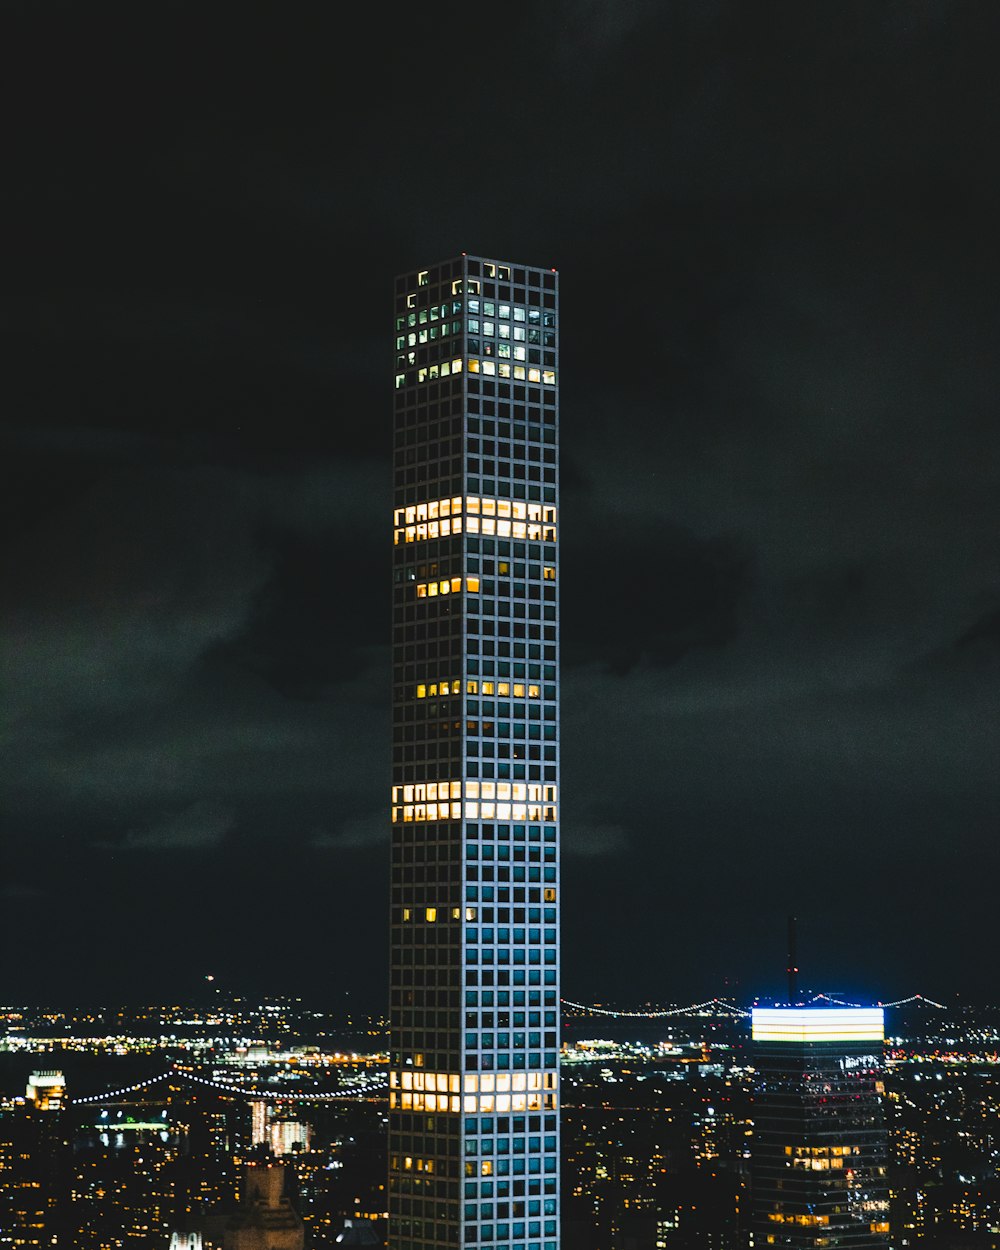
[474,1101]
[818,1161]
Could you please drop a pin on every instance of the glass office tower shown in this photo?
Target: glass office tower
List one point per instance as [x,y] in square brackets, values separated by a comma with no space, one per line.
[474,987]
[818,1160]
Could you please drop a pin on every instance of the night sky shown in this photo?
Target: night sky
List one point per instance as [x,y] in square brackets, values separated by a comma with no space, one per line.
[776,228]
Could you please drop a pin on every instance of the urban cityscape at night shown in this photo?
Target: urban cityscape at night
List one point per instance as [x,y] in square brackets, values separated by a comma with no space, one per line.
[502,628]
[137,1127]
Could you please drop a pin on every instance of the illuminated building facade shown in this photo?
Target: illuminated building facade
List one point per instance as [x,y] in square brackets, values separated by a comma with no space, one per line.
[35,1165]
[818,1163]
[474,1123]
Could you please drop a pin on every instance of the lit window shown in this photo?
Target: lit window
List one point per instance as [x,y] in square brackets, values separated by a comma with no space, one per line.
[422,277]
[549,573]
[549,377]
[431,915]
[411,302]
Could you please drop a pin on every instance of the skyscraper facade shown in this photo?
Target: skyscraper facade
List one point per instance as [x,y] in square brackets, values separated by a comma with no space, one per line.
[818,1161]
[474,984]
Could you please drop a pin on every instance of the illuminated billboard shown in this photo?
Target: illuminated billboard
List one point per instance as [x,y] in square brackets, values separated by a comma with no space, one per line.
[818,1024]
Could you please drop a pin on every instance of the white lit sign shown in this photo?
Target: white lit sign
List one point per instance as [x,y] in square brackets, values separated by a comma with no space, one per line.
[818,1024]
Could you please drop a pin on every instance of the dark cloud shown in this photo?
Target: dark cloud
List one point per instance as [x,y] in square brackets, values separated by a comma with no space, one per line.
[780,584]
[201,826]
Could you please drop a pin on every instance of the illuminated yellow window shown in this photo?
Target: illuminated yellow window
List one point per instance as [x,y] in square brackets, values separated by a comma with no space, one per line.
[548,377]
[503,689]
[549,573]
[470,913]
[518,692]
[549,896]
[472,585]
[421,692]
[487,1167]
[472,687]
[533,692]
[488,687]
[406,913]
[431,915]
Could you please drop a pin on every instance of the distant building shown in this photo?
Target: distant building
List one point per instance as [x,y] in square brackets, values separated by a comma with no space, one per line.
[46,1090]
[818,1162]
[186,1241]
[35,1166]
[358,1233]
[266,1219]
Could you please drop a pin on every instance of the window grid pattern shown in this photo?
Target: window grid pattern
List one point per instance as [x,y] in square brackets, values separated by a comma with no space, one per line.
[819,1147]
[474,986]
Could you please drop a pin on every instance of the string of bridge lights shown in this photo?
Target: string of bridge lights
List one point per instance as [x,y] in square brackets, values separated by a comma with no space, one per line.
[899,1002]
[174,1073]
[719,1004]
[722,1006]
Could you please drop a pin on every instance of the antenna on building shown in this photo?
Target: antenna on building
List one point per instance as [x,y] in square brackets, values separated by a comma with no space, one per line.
[793,967]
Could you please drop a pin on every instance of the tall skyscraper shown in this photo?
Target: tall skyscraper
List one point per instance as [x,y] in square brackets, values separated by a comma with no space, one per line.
[818,1163]
[474,1102]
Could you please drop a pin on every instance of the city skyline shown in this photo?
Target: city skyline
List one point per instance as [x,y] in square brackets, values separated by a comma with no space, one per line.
[779,484]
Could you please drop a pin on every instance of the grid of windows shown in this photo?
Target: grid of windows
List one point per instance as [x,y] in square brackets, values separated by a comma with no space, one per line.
[819,1148]
[474,994]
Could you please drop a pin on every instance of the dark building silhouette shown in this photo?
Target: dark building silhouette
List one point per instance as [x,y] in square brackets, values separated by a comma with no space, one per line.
[266,1219]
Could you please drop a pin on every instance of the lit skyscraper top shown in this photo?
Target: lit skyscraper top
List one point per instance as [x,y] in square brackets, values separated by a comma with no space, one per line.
[474,996]
[818,1167]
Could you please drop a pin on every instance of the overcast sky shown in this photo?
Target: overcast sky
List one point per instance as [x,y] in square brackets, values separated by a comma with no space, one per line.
[775,225]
